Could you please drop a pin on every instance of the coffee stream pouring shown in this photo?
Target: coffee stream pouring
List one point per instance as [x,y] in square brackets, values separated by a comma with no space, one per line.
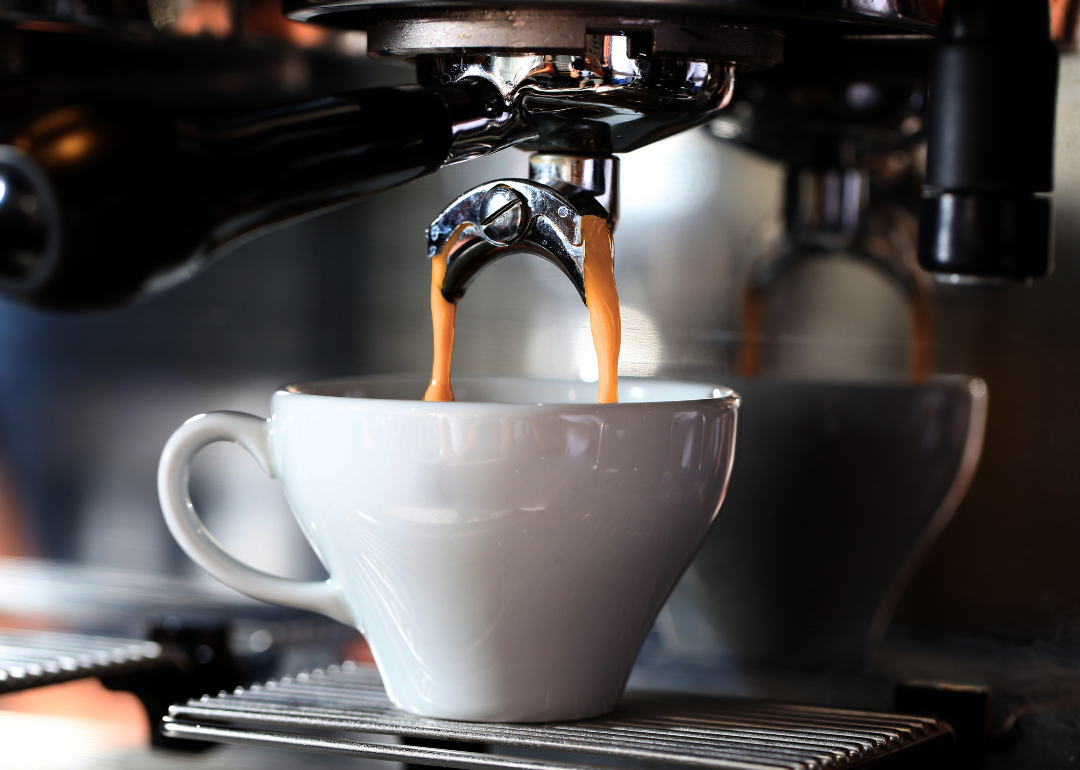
[565,214]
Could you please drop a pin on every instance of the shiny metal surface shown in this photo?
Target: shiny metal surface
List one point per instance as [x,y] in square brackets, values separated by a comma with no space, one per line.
[511,216]
[482,120]
[594,176]
[42,589]
[604,99]
[896,15]
[826,207]
[671,729]
[834,210]
[503,215]
[120,602]
[36,658]
[563,31]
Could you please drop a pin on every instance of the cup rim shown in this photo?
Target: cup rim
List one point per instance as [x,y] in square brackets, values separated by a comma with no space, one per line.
[721,393]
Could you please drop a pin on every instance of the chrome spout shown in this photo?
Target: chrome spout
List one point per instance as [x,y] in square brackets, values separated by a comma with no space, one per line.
[540,216]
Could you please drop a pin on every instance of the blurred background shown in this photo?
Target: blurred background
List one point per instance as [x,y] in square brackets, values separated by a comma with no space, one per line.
[88,400]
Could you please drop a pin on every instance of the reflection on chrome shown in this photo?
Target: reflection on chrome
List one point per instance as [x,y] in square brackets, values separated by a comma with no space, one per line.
[606,100]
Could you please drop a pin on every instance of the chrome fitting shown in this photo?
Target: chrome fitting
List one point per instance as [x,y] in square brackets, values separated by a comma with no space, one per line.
[540,216]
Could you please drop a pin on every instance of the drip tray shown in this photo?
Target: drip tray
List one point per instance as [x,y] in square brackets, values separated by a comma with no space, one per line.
[37,658]
[337,710]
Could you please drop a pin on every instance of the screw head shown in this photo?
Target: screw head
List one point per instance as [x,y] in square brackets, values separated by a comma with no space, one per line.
[503,214]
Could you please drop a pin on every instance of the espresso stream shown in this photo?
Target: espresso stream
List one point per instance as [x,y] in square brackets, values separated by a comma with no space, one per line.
[601,297]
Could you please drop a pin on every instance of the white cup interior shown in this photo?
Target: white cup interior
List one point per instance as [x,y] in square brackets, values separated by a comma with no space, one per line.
[512,390]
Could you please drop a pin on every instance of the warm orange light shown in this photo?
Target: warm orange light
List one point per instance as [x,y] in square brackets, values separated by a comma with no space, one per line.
[1064,15]
[70,147]
[120,713]
[264,17]
[205,17]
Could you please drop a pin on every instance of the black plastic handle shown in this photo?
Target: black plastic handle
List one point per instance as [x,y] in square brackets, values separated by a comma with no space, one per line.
[103,201]
[990,141]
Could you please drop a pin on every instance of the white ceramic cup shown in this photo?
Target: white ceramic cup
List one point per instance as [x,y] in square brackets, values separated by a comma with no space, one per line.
[504,554]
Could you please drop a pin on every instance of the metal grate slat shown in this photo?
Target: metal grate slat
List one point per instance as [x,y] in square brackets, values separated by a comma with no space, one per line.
[37,658]
[692,731]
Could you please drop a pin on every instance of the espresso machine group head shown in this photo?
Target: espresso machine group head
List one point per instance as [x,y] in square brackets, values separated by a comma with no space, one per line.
[114,186]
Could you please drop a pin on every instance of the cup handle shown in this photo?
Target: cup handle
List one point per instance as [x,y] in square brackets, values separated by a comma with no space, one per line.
[253,434]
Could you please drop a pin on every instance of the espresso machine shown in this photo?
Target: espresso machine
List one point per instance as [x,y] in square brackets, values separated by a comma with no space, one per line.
[188,179]
[140,143]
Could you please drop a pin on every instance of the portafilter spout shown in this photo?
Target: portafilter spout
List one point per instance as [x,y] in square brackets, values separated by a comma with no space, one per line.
[541,216]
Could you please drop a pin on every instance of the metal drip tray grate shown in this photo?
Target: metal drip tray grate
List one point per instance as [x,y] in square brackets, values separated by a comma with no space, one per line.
[36,658]
[311,711]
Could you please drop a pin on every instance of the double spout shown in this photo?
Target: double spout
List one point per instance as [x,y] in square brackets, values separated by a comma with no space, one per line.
[540,215]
